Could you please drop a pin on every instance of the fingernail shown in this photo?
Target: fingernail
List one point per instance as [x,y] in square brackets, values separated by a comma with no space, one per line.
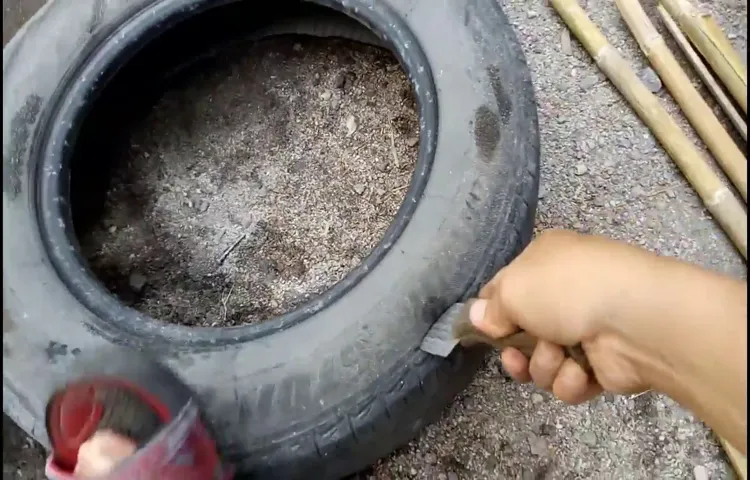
[476,312]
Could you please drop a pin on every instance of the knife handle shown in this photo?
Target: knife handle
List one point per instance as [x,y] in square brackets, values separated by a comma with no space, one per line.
[467,334]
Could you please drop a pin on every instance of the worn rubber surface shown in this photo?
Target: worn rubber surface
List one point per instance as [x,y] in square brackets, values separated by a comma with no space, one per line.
[328,395]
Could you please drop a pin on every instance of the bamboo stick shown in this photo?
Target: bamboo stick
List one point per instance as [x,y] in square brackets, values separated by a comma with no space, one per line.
[709,39]
[713,86]
[738,460]
[696,110]
[717,198]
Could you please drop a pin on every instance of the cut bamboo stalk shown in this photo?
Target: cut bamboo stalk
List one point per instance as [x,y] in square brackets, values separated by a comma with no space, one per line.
[738,460]
[697,111]
[718,199]
[709,39]
[708,79]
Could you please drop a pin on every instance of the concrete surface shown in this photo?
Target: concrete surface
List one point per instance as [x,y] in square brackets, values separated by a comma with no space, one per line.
[603,173]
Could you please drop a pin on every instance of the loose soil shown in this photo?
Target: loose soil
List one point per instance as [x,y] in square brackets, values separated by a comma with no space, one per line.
[259,184]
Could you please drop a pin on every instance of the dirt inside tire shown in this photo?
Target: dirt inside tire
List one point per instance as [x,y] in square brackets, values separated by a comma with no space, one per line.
[258,183]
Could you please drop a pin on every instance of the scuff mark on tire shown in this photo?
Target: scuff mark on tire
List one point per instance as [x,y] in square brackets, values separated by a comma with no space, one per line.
[55,350]
[486,132]
[488,125]
[14,158]
[503,101]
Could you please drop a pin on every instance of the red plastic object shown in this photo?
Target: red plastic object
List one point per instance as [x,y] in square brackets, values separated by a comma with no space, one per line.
[182,450]
[73,416]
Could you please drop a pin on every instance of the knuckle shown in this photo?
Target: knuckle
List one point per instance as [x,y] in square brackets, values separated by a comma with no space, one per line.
[507,294]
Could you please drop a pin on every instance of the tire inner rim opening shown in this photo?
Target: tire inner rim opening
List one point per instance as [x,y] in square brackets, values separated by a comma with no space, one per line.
[166,26]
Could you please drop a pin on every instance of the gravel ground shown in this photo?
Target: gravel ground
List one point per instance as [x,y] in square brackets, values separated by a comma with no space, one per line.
[603,173]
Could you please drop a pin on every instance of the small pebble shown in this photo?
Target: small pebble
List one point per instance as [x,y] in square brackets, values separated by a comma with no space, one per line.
[589,82]
[589,438]
[537,398]
[430,459]
[565,45]
[340,80]
[297,47]
[112,229]
[542,191]
[442,476]
[359,188]
[649,78]
[137,282]
[700,472]
[623,142]
[546,429]
[538,446]
[351,125]
[202,206]
[581,169]
[326,95]
[412,141]
[532,14]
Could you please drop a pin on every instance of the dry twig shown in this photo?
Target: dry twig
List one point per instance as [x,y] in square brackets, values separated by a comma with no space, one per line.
[229,250]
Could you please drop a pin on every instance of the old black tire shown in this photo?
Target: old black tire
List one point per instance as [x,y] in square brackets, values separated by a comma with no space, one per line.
[326,390]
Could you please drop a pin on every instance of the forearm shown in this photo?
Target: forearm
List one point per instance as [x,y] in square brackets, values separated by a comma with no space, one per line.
[689,327]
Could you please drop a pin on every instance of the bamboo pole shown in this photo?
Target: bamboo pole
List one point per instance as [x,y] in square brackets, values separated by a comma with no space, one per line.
[713,86]
[709,39]
[738,460]
[717,198]
[696,110]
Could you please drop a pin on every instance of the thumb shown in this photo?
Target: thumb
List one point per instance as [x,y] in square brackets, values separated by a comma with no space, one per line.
[489,318]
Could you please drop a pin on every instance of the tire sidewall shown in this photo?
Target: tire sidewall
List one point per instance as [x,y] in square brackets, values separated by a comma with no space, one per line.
[473,217]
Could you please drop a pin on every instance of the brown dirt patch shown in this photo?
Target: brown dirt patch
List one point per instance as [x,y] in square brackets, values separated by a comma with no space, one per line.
[292,155]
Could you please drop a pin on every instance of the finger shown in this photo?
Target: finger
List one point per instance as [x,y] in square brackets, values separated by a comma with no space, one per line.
[573,385]
[516,364]
[545,363]
[101,453]
[489,318]
[489,289]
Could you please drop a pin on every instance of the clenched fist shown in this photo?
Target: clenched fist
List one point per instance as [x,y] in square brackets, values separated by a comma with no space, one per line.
[644,322]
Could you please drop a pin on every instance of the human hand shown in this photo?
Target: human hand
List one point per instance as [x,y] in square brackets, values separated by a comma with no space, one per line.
[99,455]
[566,288]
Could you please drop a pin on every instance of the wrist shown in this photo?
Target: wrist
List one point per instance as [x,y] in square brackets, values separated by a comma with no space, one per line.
[644,294]
[684,331]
